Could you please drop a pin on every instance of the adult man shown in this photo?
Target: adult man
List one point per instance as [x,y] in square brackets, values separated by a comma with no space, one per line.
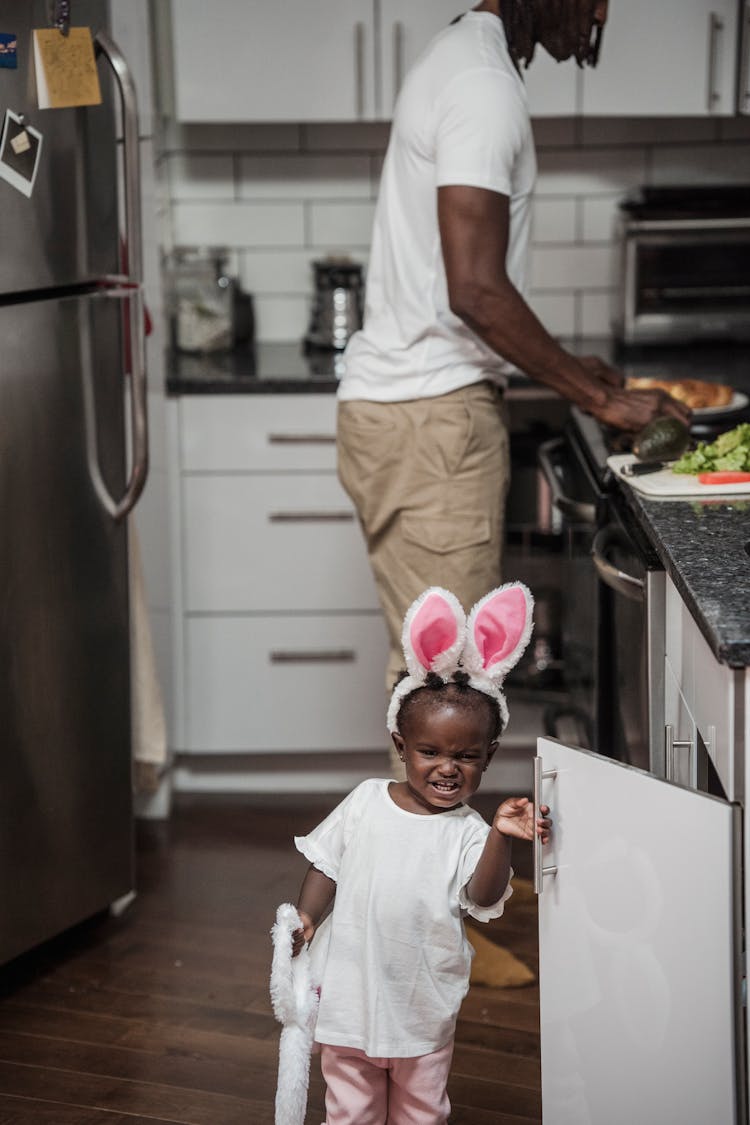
[423,447]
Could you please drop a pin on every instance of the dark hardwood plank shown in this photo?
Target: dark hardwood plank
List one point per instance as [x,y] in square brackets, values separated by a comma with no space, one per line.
[30,1111]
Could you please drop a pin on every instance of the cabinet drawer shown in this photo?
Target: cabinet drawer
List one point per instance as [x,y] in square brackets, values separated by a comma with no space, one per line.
[285,683]
[258,432]
[261,542]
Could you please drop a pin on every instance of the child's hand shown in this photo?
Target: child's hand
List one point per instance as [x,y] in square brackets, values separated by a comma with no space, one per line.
[299,937]
[515,817]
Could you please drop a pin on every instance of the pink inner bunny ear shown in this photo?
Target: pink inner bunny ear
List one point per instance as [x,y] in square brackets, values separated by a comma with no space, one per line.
[501,625]
[433,630]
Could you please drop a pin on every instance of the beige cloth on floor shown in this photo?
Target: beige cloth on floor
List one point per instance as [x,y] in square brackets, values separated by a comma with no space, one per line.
[148,722]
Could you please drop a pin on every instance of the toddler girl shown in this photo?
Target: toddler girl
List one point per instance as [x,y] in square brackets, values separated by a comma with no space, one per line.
[404,862]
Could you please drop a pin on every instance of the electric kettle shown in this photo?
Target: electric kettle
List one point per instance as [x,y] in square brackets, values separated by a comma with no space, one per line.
[337,304]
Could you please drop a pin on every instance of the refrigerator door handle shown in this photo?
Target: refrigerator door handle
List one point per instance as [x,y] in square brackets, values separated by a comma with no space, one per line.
[133,266]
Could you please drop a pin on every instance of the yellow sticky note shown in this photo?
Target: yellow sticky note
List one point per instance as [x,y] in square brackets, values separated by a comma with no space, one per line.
[66,73]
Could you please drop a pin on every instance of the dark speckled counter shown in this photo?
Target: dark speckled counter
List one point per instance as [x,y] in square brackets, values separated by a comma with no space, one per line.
[273,368]
[702,545]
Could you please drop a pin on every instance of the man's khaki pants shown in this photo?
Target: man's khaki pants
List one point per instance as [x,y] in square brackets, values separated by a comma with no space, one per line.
[429,479]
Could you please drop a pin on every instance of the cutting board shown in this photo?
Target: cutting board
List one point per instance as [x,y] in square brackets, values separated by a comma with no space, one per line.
[669,485]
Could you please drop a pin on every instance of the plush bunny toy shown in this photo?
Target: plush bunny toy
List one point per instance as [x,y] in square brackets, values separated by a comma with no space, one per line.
[437,637]
[294,998]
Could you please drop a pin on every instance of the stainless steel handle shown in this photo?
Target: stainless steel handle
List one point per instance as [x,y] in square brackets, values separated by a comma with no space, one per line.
[301,439]
[619,580]
[576,510]
[715,28]
[744,88]
[321,656]
[359,68]
[310,517]
[398,58]
[111,53]
[671,744]
[539,871]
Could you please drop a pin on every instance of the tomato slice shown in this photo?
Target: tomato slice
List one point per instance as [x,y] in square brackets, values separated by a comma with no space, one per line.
[726,477]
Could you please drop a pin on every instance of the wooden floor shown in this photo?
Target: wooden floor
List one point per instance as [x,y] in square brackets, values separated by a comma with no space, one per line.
[162,1015]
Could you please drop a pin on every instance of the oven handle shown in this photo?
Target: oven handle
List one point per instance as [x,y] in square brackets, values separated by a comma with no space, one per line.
[576,510]
[619,580]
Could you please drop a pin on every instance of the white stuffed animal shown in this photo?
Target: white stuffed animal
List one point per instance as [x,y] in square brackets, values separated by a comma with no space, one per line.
[294,997]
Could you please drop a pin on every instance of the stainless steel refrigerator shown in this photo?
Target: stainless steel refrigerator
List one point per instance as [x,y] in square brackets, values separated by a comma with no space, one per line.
[73,460]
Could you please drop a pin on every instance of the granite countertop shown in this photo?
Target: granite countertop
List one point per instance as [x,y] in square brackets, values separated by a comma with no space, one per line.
[704,545]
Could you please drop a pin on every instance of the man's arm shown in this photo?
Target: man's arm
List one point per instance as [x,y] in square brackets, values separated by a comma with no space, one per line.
[474,226]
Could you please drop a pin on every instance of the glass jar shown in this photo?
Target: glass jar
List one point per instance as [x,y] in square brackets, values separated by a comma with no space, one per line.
[200,299]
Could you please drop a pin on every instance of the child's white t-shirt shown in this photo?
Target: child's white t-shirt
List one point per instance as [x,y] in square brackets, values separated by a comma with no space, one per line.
[393,958]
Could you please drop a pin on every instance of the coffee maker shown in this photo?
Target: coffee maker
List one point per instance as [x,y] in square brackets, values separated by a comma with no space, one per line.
[337,304]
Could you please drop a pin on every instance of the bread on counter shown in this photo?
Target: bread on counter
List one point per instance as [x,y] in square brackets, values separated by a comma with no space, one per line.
[695,393]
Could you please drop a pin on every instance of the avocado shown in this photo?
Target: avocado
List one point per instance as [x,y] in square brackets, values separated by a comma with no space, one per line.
[663,439]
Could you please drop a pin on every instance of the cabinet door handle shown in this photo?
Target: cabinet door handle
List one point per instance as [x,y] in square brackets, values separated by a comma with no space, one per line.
[398,58]
[313,656]
[671,744]
[539,871]
[745,62]
[715,29]
[359,68]
[310,517]
[301,439]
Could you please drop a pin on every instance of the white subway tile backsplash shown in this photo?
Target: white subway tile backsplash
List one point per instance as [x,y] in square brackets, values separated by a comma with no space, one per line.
[701,164]
[554,220]
[597,311]
[598,216]
[304,177]
[239,224]
[198,176]
[584,171]
[566,267]
[279,272]
[341,226]
[557,312]
[281,318]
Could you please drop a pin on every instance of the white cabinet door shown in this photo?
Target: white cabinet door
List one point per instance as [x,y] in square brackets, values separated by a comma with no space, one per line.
[744,83]
[290,60]
[665,59]
[553,87]
[638,948]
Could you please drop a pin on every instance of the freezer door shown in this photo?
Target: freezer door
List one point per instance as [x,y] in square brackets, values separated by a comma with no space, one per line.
[67,231]
[65,775]
[639,948]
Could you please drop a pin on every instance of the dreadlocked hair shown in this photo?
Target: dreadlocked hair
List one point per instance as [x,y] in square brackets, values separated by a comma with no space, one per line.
[566,23]
[436,690]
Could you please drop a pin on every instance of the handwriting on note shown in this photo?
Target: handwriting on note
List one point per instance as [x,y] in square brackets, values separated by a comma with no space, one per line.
[66,73]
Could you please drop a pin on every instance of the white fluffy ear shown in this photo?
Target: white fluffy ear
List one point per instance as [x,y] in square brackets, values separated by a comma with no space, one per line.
[433,633]
[498,630]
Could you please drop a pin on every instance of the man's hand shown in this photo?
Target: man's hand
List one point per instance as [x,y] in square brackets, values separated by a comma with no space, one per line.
[601,371]
[515,817]
[632,410]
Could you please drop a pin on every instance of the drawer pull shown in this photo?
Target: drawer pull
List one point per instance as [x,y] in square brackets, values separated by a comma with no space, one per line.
[310,517]
[301,439]
[313,656]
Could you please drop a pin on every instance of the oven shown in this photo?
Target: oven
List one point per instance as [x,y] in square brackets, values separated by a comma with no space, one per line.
[612,628]
[685,265]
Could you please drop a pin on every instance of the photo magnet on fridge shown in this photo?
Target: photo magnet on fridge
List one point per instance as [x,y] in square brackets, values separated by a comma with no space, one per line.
[20,148]
[8,56]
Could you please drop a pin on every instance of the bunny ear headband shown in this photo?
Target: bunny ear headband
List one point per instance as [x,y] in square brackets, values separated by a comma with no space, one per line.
[437,637]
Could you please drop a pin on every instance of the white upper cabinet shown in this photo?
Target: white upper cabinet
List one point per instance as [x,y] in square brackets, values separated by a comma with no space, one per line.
[290,60]
[318,60]
[744,83]
[666,59]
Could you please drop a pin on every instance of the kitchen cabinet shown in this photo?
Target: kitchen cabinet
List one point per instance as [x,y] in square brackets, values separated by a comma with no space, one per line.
[675,58]
[640,967]
[331,60]
[744,76]
[278,611]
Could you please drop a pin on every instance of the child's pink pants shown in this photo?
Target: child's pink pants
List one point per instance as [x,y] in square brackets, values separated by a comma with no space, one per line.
[365,1091]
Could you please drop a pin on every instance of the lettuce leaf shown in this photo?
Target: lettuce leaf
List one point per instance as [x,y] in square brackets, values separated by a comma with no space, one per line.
[730,451]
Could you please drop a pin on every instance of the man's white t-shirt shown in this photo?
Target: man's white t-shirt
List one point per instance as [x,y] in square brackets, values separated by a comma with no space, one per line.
[462,119]
[392,957]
